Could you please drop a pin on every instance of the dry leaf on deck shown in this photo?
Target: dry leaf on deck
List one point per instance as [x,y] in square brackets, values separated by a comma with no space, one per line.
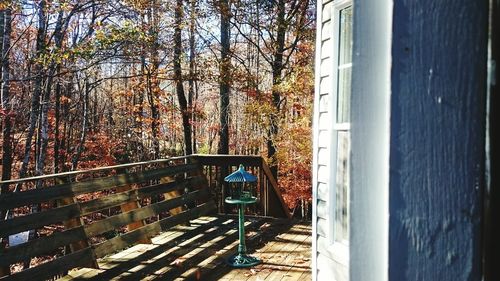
[178,262]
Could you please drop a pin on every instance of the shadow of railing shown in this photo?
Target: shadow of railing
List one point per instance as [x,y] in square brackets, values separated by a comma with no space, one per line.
[182,256]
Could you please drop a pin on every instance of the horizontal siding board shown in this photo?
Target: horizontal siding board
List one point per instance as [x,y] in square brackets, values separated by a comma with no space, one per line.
[325,67]
[325,248]
[326,31]
[325,266]
[323,175]
[330,269]
[325,85]
[18,199]
[323,156]
[323,193]
[327,12]
[323,245]
[324,101]
[324,121]
[322,225]
[41,245]
[322,209]
[323,139]
[36,220]
[326,48]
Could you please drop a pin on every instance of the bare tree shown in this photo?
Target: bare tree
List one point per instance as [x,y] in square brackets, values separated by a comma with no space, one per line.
[283,28]
[37,91]
[186,124]
[225,76]
[6,29]
[192,96]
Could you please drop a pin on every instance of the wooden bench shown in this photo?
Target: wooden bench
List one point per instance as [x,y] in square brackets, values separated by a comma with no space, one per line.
[88,219]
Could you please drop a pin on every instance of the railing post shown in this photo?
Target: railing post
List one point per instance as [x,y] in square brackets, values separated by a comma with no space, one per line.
[275,195]
[4,270]
[74,222]
[224,171]
[129,206]
[271,200]
[262,191]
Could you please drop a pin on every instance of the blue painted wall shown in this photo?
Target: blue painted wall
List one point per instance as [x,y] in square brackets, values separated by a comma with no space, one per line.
[437,132]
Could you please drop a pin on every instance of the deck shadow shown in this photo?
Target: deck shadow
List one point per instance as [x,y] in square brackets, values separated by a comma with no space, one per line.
[181,257]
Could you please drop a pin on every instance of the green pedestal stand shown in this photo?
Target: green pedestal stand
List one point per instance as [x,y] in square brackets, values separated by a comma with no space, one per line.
[242,259]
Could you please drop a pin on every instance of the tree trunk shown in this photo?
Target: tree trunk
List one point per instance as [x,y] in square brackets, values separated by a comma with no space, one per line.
[81,145]
[153,82]
[277,69]
[2,31]
[192,74]
[37,91]
[5,31]
[139,109]
[57,141]
[60,29]
[224,86]
[155,111]
[65,115]
[6,102]
[35,102]
[178,78]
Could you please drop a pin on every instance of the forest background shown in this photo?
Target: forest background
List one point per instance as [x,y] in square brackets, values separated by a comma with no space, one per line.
[92,83]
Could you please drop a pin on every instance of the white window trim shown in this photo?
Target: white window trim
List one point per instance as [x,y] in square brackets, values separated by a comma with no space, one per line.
[341,126]
[338,250]
[345,65]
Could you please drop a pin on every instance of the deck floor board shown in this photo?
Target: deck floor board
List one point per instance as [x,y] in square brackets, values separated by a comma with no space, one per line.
[199,251]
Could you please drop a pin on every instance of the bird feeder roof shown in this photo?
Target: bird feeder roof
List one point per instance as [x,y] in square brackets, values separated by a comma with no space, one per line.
[240,175]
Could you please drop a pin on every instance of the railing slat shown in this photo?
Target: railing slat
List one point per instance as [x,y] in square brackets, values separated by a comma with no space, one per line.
[54,267]
[119,220]
[41,245]
[36,220]
[34,196]
[66,212]
[117,199]
[94,170]
[122,241]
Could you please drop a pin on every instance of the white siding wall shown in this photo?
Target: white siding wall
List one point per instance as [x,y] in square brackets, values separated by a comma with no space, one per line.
[324,265]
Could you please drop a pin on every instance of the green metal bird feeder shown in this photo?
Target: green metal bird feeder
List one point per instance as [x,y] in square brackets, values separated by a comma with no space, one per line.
[241,183]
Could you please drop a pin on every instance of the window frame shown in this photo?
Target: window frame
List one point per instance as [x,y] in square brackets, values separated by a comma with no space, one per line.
[338,249]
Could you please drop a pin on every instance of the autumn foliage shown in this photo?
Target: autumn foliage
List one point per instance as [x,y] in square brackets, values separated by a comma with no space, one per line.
[91,84]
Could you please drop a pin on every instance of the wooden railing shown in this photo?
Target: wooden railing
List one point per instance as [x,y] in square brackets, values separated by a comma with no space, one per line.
[82,216]
[96,212]
[270,201]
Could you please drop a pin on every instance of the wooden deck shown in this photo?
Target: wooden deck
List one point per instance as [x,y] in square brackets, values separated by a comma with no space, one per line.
[198,252]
